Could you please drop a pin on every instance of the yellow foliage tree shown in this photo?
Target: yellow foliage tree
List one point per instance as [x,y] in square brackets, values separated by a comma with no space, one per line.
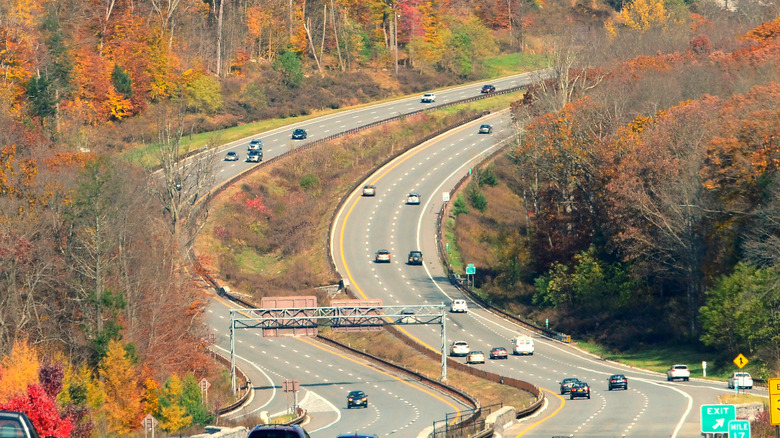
[20,369]
[640,15]
[151,396]
[122,405]
[174,417]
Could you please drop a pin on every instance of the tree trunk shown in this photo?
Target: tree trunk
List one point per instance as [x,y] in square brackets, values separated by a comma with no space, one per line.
[336,33]
[306,25]
[219,38]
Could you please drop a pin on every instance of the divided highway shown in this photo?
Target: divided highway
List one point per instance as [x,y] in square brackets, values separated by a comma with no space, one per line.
[651,407]
[279,141]
[396,405]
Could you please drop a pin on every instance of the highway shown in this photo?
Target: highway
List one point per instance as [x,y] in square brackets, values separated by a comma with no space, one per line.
[651,407]
[279,141]
[326,375]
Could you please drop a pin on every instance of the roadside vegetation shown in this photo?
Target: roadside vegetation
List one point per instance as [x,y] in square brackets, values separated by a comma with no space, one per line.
[637,210]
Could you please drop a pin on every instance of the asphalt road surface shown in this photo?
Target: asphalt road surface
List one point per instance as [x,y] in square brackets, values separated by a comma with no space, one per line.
[651,407]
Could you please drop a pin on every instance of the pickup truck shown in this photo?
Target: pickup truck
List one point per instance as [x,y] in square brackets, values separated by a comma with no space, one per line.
[678,372]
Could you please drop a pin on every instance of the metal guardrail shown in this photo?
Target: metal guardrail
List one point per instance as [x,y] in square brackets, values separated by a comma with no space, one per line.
[457,282]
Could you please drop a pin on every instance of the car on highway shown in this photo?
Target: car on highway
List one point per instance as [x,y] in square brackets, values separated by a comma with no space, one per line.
[499,353]
[356,435]
[678,371]
[299,134]
[407,317]
[488,88]
[475,356]
[278,431]
[485,129]
[255,145]
[254,156]
[382,256]
[741,379]
[415,258]
[231,156]
[369,190]
[14,424]
[460,348]
[567,383]
[522,345]
[459,306]
[617,381]
[357,398]
[579,389]
[413,199]
[428,98]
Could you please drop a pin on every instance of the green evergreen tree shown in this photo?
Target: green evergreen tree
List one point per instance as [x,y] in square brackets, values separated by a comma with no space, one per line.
[192,401]
[122,82]
[289,65]
[40,92]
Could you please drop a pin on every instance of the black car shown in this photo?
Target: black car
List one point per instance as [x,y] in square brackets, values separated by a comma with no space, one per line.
[16,424]
[567,383]
[278,431]
[357,398]
[617,381]
[299,134]
[485,129]
[415,258]
[579,389]
[488,88]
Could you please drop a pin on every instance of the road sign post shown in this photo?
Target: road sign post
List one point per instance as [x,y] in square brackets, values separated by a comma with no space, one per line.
[774,401]
[715,418]
[149,423]
[739,429]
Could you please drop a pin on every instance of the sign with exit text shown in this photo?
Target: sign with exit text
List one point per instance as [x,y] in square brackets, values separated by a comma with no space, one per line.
[716,418]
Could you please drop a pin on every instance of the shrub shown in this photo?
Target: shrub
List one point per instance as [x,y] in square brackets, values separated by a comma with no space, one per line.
[488,177]
[459,207]
[477,199]
[308,181]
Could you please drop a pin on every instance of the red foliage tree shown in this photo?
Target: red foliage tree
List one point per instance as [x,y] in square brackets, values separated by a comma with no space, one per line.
[42,410]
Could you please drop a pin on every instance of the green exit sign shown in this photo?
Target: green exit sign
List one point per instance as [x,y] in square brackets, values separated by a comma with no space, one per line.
[716,418]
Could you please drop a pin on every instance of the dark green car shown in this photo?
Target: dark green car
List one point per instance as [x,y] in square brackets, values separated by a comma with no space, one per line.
[415,258]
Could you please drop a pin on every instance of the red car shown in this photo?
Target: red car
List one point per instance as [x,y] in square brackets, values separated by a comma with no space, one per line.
[499,353]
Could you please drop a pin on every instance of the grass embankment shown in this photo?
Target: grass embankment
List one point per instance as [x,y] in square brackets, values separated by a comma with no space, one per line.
[266,235]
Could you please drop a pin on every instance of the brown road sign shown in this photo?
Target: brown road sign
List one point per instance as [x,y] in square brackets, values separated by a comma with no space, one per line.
[357,315]
[291,314]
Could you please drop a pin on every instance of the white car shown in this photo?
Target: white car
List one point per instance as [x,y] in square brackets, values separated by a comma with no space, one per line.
[460,348]
[428,98]
[741,379]
[255,145]
[678,372]
[459,306]
[475,357]
[413,199]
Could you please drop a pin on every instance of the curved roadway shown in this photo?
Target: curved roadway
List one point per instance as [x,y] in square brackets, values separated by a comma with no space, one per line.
[326,375]
[651,407]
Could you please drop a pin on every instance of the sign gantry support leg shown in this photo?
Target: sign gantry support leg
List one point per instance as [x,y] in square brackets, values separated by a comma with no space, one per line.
[232,354]
[443,346]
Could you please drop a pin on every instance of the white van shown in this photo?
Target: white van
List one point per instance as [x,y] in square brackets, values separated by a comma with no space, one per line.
[523,344]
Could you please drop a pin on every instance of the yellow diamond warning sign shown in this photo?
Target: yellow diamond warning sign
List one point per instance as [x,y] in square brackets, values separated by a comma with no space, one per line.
[741,361]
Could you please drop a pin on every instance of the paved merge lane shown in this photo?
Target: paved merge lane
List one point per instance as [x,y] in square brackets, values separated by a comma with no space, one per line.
[651,407]
[326,375]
